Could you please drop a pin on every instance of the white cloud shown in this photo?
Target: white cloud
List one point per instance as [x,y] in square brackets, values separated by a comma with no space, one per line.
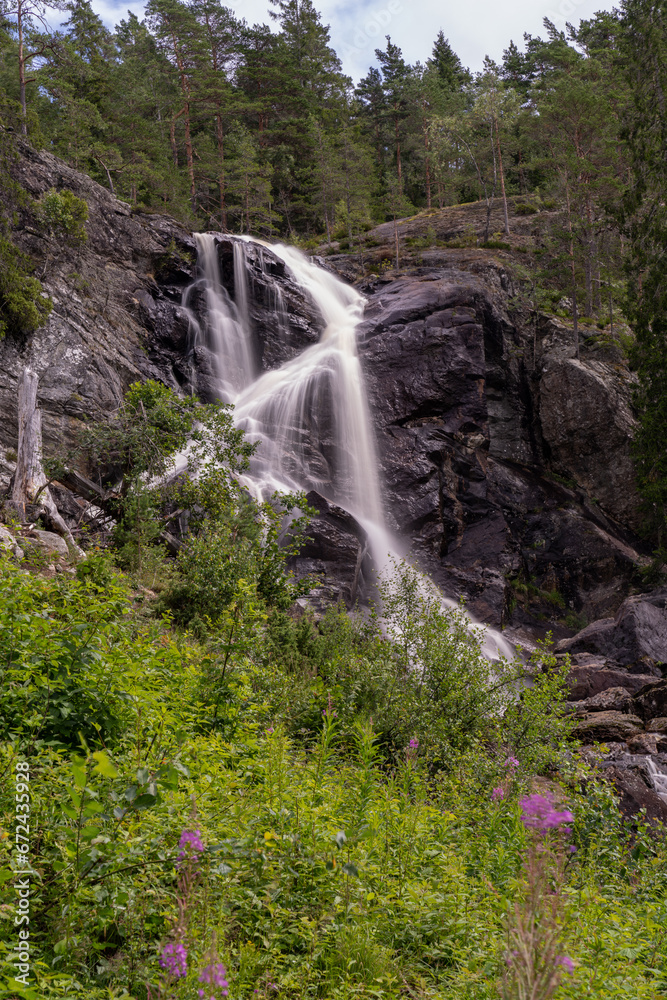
[475,28]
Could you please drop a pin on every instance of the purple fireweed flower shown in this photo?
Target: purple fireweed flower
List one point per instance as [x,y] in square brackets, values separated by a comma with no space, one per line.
[269,730]
[190,845]
[215,975]
[498,793]
[174,959]
[566,963]
[512,762]
[191,839]
[538,813]
[414,743]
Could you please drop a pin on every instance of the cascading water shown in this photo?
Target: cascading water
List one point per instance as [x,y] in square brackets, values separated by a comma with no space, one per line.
[226,327]
[310,415]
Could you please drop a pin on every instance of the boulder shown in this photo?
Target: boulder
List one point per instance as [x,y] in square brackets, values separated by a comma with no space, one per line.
[9,544]
[589,679]
[614,699]
[51,543]
[605,727]
[635,794]
[638,631]
[658,725]
[647,743]
[651,701]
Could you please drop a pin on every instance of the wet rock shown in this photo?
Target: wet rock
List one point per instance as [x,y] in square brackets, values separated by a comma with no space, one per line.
[651,701]
[602,727]
[333,556]
[637,631]
[636,794]
[615,699]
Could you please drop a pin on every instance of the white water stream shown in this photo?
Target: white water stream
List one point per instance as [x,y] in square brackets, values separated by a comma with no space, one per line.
[310,414]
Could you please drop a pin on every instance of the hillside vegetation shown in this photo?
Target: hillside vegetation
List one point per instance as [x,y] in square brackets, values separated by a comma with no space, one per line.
[275,806]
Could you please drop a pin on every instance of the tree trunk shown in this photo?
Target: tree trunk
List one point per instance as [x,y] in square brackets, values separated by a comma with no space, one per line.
[502,180]
[428,171]
[22,62]
[575,314]
[221,174]
[30,483]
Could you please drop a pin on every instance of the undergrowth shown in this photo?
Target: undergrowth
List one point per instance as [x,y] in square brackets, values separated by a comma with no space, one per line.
[307,818]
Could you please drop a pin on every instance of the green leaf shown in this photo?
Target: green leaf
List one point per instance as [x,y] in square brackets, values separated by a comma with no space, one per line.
[79,775]
[104,765]
[145,801]
[350,869]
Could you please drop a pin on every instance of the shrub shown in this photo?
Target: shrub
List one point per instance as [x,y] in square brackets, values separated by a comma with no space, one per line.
[65,214]
[24,306]
[525,208]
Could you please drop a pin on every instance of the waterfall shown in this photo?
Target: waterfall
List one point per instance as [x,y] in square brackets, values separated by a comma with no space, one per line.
[226,329]
[310,416]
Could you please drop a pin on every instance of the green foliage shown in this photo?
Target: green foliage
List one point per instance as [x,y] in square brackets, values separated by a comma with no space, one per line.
[54,686]
[65,215]
[329,868]
[23,304]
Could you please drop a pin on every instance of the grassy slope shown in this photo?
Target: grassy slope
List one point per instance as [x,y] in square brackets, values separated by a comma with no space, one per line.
[326,873]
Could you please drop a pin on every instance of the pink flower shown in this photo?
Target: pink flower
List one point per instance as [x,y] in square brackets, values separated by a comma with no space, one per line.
[539,814]
[566,963]
[498,793]
[512,762]
[414,743]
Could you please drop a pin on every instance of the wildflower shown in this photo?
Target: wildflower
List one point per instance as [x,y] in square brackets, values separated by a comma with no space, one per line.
[269,730]
[566,962]
[539,813]
[174,959]
[512,762]
[498,793]
[191,839]
[215,975]
[414,743]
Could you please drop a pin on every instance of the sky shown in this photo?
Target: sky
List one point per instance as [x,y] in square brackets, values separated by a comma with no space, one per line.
[475,28]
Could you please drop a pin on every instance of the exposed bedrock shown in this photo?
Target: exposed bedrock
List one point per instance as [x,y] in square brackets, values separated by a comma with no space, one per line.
[505,461]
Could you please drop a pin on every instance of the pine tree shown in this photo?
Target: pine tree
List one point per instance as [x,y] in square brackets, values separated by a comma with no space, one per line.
[644,49]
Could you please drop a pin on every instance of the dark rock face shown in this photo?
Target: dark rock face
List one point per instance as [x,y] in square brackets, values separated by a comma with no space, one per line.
[636,635]
[470,424]
[334,555]
[635,793]
[115,318]
[651,701]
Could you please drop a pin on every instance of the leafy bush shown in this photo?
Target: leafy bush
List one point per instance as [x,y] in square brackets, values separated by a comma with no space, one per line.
[23,304]
[65,214]
[525,208]
[53,686]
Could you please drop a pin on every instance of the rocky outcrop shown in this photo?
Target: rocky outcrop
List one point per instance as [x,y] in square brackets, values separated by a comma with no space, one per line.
[474,444]
[115,303]
[635,635]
